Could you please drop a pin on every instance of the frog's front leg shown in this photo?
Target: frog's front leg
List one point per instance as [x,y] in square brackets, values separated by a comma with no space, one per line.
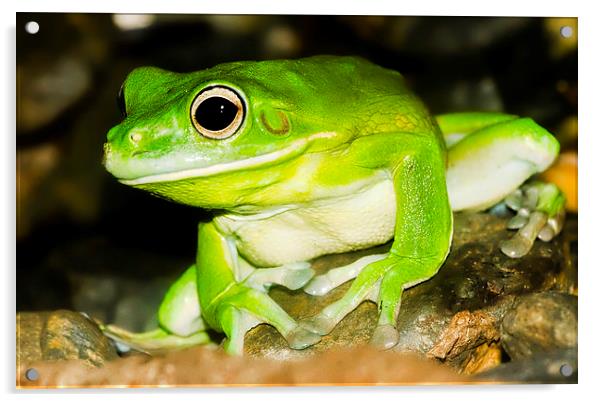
[490,156]
[422,239]
[322,284]
[233,295]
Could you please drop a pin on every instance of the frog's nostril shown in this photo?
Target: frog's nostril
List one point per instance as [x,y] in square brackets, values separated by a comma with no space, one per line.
[135,137]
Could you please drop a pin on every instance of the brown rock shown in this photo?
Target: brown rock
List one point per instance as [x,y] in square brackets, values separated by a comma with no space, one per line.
[60,335]
[466,342]
[540,322]
[473,290]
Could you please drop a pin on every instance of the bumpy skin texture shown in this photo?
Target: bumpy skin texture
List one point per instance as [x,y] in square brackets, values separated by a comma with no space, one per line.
[333,154]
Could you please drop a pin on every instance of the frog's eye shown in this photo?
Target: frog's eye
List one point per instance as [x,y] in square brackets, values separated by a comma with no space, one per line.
[121,102]
[217,112]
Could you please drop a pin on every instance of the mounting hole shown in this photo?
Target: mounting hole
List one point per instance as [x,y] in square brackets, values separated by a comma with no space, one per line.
[32,374]
[566,370]
[32,27]
[566,31]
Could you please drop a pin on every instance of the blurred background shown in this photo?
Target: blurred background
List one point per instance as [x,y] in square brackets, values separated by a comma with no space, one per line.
[87,243]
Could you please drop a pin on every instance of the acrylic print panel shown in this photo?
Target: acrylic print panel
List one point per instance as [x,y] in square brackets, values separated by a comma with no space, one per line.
[296,195]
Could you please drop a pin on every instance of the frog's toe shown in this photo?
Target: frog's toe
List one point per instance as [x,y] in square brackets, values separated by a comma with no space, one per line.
[552,227]
[515,199]
[546,233]
[319,324]
[516,247]
[319,286]
[522,242]
[385,337]
[539,214]
[301,338]
[519,220]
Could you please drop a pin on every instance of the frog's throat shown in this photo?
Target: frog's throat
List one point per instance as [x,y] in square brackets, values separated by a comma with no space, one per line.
[295,148]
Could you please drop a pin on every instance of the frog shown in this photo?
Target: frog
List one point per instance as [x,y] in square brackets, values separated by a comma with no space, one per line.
[306,157]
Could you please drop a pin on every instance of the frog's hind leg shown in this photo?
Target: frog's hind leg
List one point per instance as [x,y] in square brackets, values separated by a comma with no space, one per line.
[246,308]
[153,341]
[179,316]
[489,164]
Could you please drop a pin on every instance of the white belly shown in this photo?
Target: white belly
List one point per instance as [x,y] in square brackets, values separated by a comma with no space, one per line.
[334,226]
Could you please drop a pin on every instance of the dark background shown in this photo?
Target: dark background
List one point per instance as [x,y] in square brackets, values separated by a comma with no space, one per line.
[88,243]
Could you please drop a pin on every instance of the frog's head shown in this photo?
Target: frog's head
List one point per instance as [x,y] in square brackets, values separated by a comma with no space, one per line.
[210,137]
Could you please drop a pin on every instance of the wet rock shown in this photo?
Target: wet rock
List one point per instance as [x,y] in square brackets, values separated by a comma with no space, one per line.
[559,366]
[539,323]
[473,291]
[60,335]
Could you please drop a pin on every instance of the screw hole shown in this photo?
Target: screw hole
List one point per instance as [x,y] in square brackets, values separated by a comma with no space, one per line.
[566,31]
[32,374]
[566,370]
[32,27]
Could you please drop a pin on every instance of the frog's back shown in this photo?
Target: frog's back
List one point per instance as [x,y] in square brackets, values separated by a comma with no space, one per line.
[337,93]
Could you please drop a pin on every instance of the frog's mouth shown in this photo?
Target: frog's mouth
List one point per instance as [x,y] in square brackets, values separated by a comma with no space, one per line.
[294,149]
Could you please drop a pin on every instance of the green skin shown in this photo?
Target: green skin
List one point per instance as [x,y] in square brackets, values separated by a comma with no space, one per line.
[317,135]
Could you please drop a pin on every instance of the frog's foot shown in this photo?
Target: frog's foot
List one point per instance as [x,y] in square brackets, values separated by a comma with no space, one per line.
[381,281]
[539,214]
[152,341]
[247,308]
[322,284]
[292,276]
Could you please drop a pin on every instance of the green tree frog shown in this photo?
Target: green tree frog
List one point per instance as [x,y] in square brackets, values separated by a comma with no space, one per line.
[302,158]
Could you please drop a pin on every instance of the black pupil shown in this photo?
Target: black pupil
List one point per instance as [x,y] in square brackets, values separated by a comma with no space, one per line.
[215,113]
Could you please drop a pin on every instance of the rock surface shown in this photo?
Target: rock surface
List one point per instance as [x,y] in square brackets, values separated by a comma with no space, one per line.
[481,308]
[60,335]
[455,316]
[540,323]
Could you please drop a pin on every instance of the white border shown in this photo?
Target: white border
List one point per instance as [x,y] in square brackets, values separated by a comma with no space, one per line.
[589,184]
